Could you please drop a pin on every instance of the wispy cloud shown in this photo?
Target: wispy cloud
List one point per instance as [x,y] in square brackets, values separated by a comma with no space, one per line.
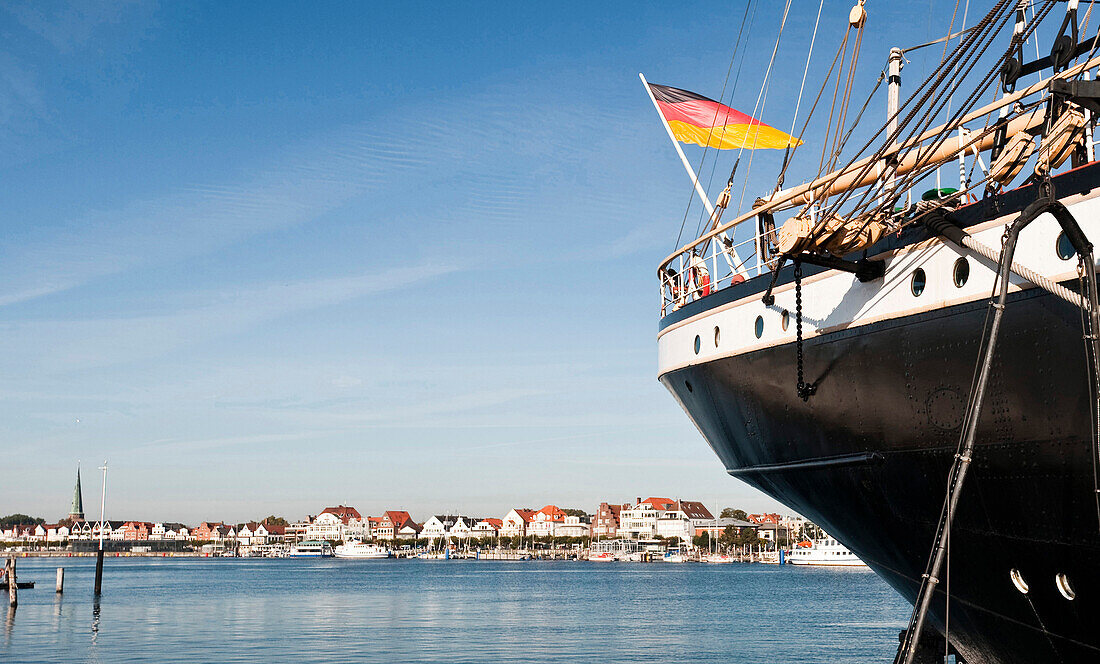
[68,345]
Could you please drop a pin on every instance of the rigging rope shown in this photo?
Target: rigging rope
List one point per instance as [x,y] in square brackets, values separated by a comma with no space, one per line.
[805,71]
[762,95]
[966,54]
[915,176]
[702,159]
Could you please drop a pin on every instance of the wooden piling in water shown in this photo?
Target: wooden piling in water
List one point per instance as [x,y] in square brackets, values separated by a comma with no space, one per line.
[60,580]
[13,592]
[99,571]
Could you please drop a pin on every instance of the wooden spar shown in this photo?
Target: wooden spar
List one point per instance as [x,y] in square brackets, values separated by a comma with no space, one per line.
[785,199]
[60,580]
[850,177]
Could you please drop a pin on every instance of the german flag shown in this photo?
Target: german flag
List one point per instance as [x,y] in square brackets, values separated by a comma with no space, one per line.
[702,121]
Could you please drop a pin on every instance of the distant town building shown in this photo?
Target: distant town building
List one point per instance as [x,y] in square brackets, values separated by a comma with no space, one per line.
[772,532]
[391,523]
[135,531]
[605,522]
[662,516]
[409,531]
[332,522]
[545,522]
[463,527]
[488,527]
[296,532]
[716,527]
[439,525]
[516,522]
[57,532]
[209,531]
[574,526]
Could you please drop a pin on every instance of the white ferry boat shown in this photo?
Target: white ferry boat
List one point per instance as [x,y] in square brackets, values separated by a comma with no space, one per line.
[311,549]
[361,550]
[826,552]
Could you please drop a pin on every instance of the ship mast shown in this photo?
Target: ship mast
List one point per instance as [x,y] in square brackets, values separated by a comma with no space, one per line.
[893,103]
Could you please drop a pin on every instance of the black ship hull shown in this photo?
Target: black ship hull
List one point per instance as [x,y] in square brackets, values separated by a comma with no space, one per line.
[867,457]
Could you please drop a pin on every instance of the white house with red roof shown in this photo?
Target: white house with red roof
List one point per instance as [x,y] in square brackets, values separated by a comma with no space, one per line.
[331,524]
[390,524]
[545,522]
[488,528]
[516,522]
[663,516]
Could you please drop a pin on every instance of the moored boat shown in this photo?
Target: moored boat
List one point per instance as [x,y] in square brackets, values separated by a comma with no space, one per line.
[311,549]
[356,549]
[823,552]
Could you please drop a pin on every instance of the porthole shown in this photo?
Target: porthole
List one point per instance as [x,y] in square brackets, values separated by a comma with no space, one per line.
[687,384]
[759,326]
[962,272]
[698,344]
[1062,581]
[1018,580]
[1063,247]
[786,320]
[717,336]
[918,282]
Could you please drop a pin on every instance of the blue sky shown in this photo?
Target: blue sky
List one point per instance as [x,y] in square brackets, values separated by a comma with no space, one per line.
[270,257]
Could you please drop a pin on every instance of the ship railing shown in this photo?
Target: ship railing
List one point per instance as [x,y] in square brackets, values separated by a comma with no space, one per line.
[678,273]
[705,268]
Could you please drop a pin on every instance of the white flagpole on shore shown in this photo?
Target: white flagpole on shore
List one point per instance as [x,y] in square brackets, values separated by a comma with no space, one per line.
[738,268]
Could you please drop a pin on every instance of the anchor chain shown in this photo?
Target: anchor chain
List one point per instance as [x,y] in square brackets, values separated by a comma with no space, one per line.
[805,390]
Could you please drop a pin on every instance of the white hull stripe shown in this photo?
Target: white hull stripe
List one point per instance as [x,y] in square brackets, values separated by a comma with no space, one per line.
[834,300]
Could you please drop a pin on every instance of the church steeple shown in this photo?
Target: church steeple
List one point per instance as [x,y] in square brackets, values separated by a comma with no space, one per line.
[77,511]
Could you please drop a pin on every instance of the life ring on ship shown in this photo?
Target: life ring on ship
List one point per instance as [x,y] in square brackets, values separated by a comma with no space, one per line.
[699,277]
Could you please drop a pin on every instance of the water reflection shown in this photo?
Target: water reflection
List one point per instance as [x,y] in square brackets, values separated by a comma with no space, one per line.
[95,618]
[508,613]
[9,624]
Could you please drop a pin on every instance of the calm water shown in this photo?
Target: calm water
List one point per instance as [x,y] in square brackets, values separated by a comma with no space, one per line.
[242,610]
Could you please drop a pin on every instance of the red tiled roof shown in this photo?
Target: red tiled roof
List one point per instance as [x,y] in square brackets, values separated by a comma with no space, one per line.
[554,512]
[344,512]
[526,515]
[397,517]
[660,503]
[496,523]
